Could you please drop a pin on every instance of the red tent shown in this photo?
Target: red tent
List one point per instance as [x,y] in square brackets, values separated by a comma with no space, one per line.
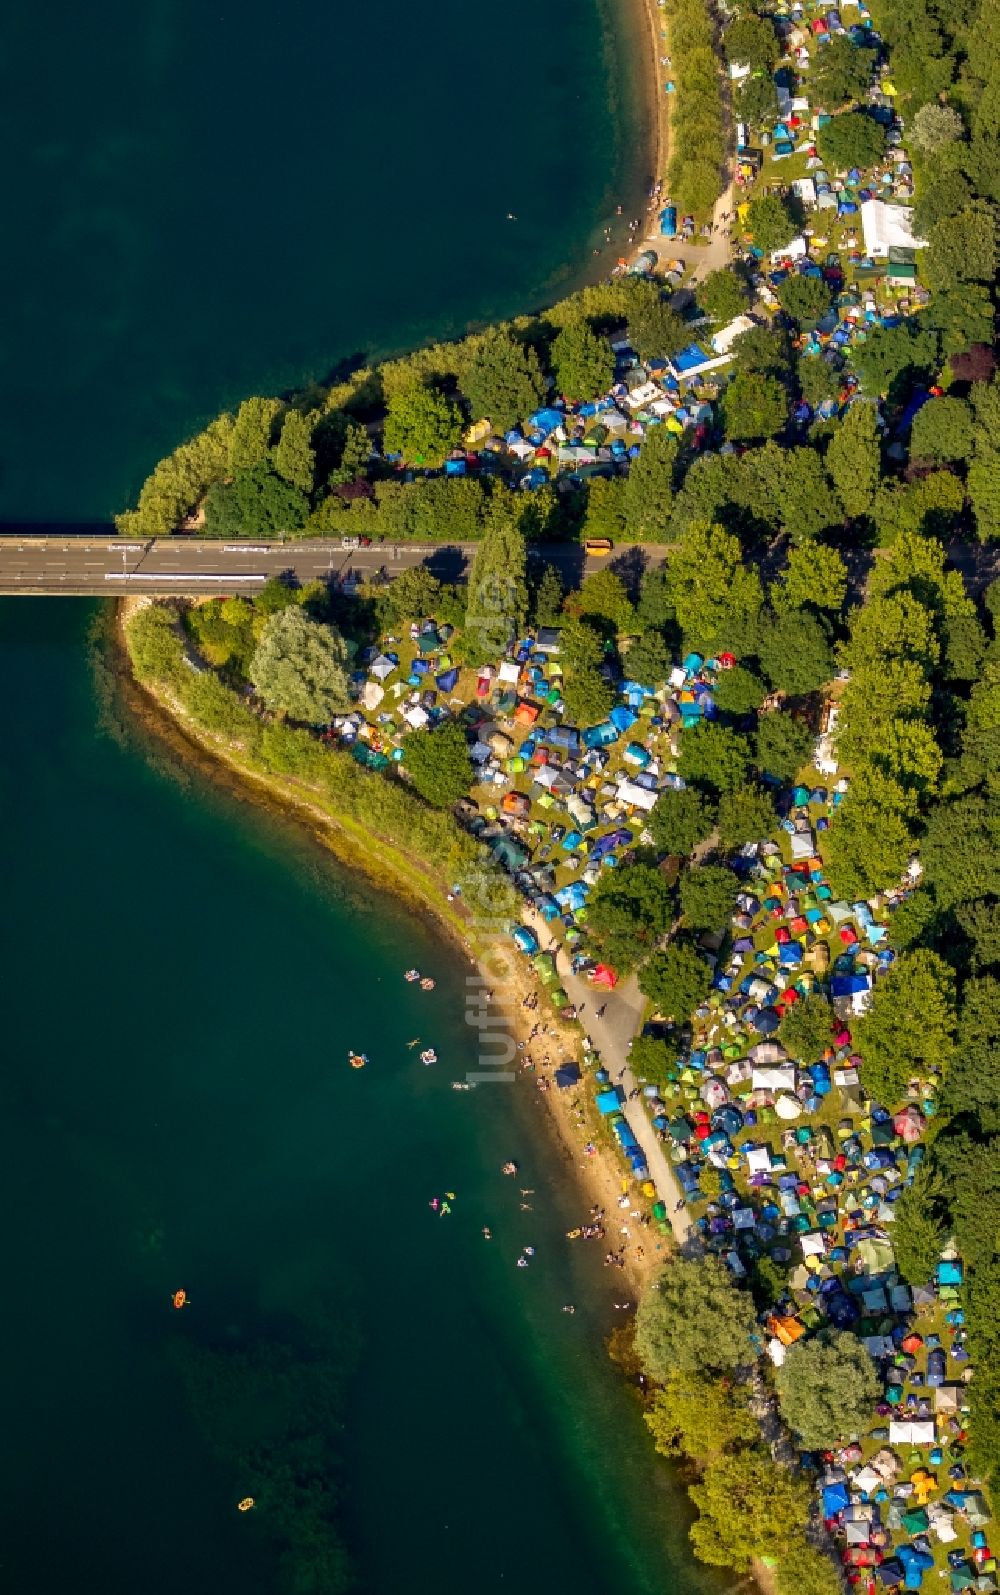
[604,976]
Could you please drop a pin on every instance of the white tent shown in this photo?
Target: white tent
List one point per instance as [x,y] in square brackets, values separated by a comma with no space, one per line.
[638,796]
[911,1433]
[759,1160]
[416,717]
[509,671]
[774,1077]
[382,667]
[887,227]
[814,1244]
[372,694]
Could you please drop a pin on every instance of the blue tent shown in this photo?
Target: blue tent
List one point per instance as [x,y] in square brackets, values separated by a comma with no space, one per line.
[600,736]
[447,680]
[835,1499]
[608,1102]
[568,1075]
[546,420]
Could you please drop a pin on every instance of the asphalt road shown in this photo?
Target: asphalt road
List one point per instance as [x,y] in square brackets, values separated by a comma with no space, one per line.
[92,564]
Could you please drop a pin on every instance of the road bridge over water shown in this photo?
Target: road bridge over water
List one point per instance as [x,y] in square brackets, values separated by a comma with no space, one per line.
[92,561]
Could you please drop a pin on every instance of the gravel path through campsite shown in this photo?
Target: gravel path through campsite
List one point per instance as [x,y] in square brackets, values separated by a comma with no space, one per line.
[612,1037]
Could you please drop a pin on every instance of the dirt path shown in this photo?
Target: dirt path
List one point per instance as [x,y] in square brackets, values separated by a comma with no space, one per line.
[612,1035]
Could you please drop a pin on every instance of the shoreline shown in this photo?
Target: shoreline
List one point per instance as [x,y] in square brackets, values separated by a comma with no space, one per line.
[570,1115]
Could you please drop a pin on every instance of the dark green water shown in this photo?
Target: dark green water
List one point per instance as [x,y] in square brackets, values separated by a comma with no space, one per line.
[205,198]
[199,204]
[183,977]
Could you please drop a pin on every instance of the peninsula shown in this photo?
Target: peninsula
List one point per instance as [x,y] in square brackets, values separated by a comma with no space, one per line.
[724,824]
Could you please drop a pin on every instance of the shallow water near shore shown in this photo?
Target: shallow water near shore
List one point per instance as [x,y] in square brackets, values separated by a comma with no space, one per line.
[185,976]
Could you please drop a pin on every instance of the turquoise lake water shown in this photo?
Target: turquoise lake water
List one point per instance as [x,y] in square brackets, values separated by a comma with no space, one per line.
[201,202]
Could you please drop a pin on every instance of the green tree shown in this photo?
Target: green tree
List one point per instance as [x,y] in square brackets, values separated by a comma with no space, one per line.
[748,1508]
[257,503]
[739,691]
[841,73]
[755,100]
[815,577]
[250,439]
[754,405]
[826,1388]
[980,922]
[890,354]
[805,299]
[765,349]
[422,424]
[745,815]
[807,502]
[154,643]
[961,851]
[298,667]
[870,842]
[294,456]
[651,1060]
[708,896]
[942,430]
[908,1032]
[961,316]
[498,590]
[581,646]
[648,659]
[655,331]
[783,745]
[655,608]
[694,1320]
[919,1232]
[438,764]
[751,41]
[712,590]
[795,653]
[504,380]
[818,378]
[723,294]
[807,1028]
[963,248]
[604,596]
[412,595]
[549,596]
[803,1570]
[275,594]
[854,139]
[971,1170]
[934,126]
[714,756]
[854,459]
[944,194]
[587,696]
[770,223]
[628,911]
[681,819]
[676,981]
[692,1416]
[649,489]
[973,1084]
[583,363]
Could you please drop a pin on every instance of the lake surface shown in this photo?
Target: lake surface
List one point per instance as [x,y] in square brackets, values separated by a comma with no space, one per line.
[205,199]
[184,977]
[201,204]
